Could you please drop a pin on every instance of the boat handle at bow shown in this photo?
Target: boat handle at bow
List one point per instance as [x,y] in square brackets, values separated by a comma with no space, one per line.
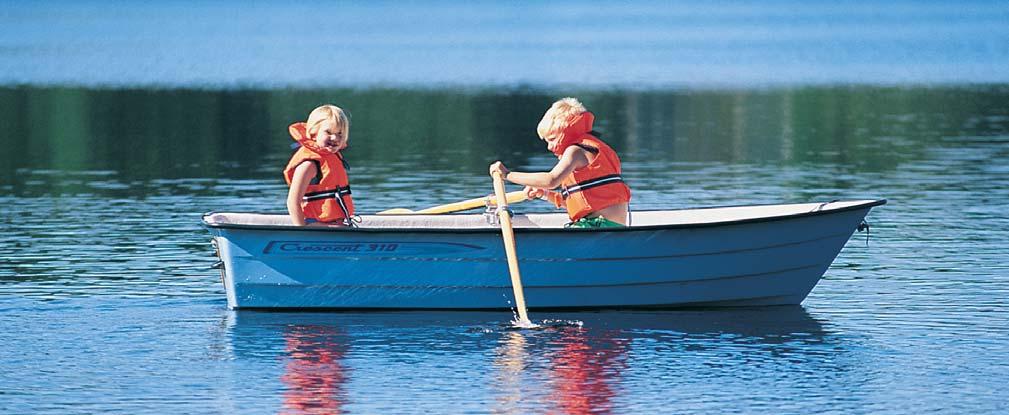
[864,226]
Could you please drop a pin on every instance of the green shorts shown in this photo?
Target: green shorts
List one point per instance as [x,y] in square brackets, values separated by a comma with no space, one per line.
[596,222]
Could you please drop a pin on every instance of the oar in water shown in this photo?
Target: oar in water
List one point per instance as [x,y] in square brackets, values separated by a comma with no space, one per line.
[509,242]
[513,197]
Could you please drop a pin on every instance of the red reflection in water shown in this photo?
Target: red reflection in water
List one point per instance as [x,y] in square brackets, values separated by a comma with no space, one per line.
[584,374]
[314,375]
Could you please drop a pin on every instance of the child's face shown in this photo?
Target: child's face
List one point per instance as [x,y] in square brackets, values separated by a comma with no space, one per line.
[551,141]
[330,136]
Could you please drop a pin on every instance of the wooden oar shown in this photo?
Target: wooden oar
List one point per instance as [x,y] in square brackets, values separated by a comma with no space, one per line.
[513,197]
[509,242]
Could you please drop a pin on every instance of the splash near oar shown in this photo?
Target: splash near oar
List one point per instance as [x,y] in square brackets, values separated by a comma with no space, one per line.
[508,234]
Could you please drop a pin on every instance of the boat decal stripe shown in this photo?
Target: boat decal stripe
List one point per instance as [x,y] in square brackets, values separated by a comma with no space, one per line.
[630,284]
[588,184]
[716,278]
[541,260]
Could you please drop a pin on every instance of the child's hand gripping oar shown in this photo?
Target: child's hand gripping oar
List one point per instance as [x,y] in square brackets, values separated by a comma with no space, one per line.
[509,242]
[513,197]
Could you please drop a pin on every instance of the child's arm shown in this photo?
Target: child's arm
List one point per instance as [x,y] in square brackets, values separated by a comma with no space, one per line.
[553,197]
[573,158]
[548,195]
[303,175]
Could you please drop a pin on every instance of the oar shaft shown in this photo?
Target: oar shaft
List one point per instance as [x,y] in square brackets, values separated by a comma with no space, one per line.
[508,234]
[472,203]
[477,202]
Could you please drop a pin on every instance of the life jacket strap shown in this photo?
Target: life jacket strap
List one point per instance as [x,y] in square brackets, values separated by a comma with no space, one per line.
[588,148]
[337,193]
[328,193]
[588,184]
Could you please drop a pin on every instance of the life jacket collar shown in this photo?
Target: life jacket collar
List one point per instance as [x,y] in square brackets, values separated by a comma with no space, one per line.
[578,126]
[299,133]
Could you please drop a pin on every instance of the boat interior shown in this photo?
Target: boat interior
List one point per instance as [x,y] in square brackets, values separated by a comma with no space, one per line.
[644,218]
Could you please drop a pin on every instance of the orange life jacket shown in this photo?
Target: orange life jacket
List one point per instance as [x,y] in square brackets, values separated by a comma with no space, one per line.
[327,198]
[597,185]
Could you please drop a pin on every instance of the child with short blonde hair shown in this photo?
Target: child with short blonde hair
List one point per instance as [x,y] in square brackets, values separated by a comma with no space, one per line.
[317,173]
[587,171]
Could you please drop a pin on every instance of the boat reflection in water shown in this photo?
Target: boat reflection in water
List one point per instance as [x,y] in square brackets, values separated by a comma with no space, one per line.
[571,372]
[585,372]
[510,361]
[602,364]
[296,361]
[579,362]
[314,374]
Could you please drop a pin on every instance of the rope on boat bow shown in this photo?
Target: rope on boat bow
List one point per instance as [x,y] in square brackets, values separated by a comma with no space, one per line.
[864,226]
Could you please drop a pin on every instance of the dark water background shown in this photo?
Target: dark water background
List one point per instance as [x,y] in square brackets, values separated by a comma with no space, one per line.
[108,304]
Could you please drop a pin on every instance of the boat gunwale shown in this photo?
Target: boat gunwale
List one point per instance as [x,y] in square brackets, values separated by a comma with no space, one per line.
[687,306]
[495,230]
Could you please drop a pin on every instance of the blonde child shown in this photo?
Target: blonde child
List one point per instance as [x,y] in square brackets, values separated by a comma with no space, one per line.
[587,172]
[317,174]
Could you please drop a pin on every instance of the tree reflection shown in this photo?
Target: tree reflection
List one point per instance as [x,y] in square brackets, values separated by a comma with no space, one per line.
[149,134]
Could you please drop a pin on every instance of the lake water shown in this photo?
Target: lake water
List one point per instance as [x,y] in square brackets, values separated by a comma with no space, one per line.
[110,157]
[434,43]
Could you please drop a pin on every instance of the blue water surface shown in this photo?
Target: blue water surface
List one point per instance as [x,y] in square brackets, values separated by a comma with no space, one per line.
[430,43]
[105,308]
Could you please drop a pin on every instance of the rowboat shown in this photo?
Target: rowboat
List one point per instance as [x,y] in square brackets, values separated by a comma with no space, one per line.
[718,256]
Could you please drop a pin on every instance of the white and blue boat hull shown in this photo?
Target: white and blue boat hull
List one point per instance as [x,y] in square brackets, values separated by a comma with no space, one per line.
[741,261]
